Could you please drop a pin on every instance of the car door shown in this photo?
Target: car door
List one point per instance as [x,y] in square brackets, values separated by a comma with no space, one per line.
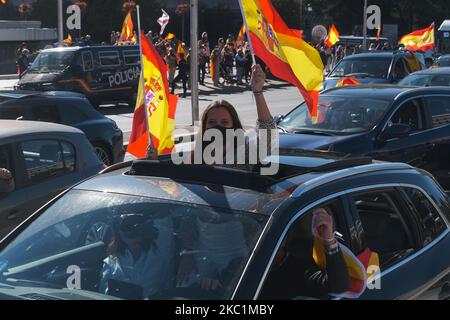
[412,147]
[15,202]
[393,232]
[437,111]
[50,166]
[299,239]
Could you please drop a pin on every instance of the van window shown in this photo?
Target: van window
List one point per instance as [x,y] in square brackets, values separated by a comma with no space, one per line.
[109,58]
[88,61]
[131,57]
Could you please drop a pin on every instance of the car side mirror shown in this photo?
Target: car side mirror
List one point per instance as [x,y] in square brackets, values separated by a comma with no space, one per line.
[397,130]
[278,118]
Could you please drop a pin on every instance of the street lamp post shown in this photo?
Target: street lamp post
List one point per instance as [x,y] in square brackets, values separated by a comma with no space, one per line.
[60,23]
[194,60]
[365,27]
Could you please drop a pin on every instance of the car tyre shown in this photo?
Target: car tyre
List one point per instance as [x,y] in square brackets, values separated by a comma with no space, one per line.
[104,154]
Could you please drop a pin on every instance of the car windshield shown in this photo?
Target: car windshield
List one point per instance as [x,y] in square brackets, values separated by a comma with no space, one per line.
[426,80]
[52,61]
[130,247]
[444,62]
[363,68]
[337,115]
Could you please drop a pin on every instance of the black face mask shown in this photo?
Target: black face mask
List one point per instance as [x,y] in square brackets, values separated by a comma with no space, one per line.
[222,130]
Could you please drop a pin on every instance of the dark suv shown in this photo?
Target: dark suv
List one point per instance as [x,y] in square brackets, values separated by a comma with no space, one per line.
[228,228]
[375,67]
[389,123]
[67,108]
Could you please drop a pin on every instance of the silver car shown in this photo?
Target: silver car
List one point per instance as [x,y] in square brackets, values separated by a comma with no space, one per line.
[44,159]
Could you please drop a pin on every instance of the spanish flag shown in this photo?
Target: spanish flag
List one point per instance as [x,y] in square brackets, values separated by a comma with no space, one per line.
[161,106]
[127,28]
[421,40]
[348,81]
[360,268]
[68,40]
[378,37]
[332,37]
[283,50]
[241,36]
[170,36]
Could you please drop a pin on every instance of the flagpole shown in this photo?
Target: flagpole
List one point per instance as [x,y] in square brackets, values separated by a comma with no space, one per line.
[194,63]
[247,31]
[60,23]
[365,27]
[150,140]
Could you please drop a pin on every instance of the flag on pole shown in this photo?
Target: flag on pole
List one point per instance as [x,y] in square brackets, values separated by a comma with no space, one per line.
[127,28]
[421,40]
[170,36]
[241,36]
[378,33]
[283,50]
[332,37]
[68,40]
[163,21]
[160,104]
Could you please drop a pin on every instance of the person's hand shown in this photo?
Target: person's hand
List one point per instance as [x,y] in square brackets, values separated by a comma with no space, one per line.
[258,78]
[152,153]
[5,174]
[323,224]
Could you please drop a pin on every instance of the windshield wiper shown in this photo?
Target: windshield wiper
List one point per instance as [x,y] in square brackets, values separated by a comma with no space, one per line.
[314,132]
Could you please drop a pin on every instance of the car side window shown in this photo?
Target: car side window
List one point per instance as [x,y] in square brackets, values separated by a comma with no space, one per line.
[410,114]
[11,112]
[430,223]
[69,155]
[88,61]
[43,159]
[46,113]
[296,268]
[5,158]
[439,109]
[386,225]
[399,71]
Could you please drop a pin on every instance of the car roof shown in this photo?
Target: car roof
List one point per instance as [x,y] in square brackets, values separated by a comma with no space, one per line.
[23,94]
[441,70]
[9,128]
[383,91]
[77,48]
[216,186]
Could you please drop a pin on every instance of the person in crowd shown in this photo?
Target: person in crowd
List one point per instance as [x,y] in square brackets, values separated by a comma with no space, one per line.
[205,42]
[228,59]
[294,263]
[171,60]
[19,50]
[203,58]
[6,181]
[88,40]
[241,61]
[216,60]
[23,62]
[182,75]
[248,64]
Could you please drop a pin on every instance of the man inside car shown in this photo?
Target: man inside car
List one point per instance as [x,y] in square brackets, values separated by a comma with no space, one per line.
[6,181]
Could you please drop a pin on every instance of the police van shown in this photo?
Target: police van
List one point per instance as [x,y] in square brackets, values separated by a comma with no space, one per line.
[104,74]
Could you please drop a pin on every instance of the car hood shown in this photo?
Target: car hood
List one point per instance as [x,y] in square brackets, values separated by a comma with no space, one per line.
[330,83]
[38,77]
[310,142]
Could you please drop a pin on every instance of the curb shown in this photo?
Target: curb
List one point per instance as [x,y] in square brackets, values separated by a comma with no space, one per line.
[9,77]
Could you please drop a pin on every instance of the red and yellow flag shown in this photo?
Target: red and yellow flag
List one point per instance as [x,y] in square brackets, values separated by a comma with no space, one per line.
[332,37]
[3,1]
[421,40]
[160,104]
[241,36]
[378,37]
[170,36]
[284,51]
[348,81]
[127,28]
[68,40]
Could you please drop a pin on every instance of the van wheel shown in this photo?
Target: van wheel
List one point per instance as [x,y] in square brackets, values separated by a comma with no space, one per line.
[103,154]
